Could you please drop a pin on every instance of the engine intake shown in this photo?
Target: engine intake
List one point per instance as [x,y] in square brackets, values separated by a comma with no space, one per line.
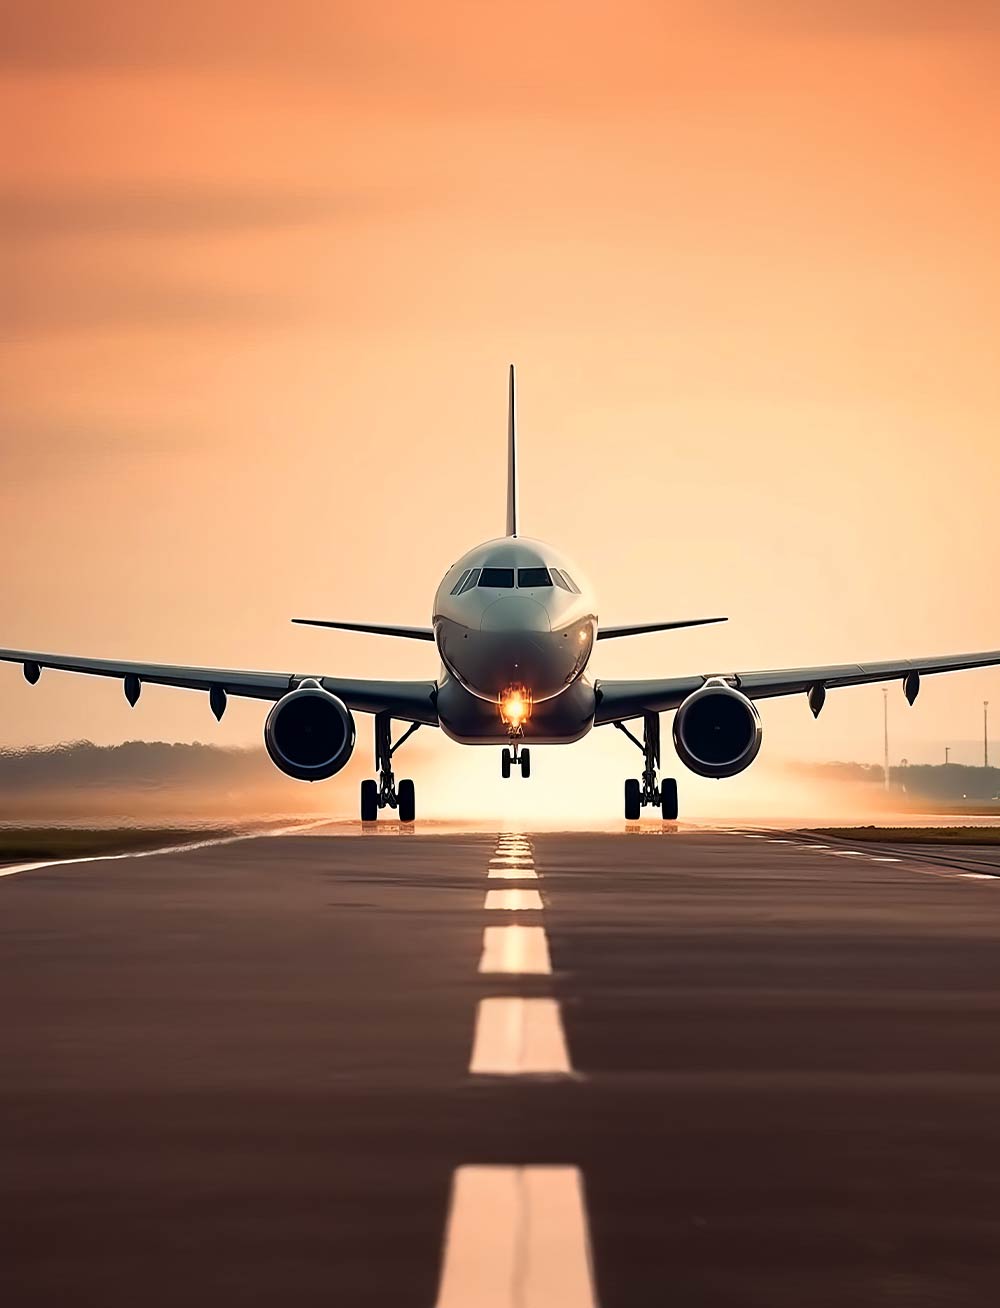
[309,734]
[717,731]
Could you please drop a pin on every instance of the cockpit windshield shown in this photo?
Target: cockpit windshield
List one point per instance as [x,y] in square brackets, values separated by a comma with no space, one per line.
[498,578]
[533,577]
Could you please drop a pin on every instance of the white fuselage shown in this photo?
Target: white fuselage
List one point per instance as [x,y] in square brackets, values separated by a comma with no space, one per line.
[514,615]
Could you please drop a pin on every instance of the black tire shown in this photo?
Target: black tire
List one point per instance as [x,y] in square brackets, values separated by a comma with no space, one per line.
[525,762]
[668,799]
[633,803]
[406,797]
[505,764]
[369,801]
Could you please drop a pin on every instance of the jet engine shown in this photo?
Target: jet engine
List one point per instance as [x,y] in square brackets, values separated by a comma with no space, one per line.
[309,734]
[717,731]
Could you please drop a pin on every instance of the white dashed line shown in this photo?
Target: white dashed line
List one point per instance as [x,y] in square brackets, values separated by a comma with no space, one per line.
[519,1037]
[517,1238]
[849,853]
[520,950]
[882,858]
[512,874]
[979,876]
[513,900]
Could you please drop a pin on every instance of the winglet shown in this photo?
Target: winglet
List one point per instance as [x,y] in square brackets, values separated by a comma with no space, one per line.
[512,497]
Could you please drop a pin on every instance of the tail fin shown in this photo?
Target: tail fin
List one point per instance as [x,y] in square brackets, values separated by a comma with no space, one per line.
[512,506]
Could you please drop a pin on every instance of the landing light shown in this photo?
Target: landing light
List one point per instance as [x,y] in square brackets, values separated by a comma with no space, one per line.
[515,706]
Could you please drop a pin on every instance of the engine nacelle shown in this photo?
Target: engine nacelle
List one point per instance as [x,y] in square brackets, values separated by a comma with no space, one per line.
[717,731]
[309,734]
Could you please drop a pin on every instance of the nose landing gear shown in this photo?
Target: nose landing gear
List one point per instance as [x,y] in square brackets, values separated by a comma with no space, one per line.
[662,795]
[385,793]
[515,757]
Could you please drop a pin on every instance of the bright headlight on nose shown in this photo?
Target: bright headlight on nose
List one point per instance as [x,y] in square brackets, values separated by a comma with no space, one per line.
[515,706]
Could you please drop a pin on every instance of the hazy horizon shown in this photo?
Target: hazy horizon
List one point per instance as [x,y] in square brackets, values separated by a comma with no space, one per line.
[140,781]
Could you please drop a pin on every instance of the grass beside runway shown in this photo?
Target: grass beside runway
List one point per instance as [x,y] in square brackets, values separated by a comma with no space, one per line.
[914,835]
[28,844]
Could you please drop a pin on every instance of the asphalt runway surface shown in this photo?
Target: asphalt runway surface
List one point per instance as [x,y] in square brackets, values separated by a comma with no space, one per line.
[707,1068]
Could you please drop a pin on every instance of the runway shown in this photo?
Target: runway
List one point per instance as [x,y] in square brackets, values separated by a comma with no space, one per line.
[502,1070]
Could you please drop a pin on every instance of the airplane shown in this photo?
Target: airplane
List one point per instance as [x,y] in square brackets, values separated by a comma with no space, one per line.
[515,623]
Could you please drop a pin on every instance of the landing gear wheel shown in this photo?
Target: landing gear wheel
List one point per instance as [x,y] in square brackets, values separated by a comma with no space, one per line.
[369,801]
[525,763]
[668,799]
[505,758]
[632,800]
[406,795]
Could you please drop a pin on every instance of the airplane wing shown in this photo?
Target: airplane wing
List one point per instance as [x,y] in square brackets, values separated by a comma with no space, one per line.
[410,701]
[619,700]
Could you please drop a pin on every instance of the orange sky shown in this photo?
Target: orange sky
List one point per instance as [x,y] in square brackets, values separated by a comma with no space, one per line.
[265,265]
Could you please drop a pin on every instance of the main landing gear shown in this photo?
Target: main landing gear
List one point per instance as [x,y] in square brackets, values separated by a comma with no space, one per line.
[515,757]
[385,793]
[647,792]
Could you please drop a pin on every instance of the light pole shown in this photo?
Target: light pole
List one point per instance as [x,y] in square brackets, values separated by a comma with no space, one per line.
[947,751]
[885,734]
[986,733]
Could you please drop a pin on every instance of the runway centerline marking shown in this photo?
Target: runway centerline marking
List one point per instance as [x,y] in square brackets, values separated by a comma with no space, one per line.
[517,1237]
[882,858]
[513,900]
[516,950]
[519,1037]
[512,874]
[978,876]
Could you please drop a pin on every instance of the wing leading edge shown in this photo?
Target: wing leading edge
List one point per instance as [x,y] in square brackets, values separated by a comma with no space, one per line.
[410,701]
[619,700]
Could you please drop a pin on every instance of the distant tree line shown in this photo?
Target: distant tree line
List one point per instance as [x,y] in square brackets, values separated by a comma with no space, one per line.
[951,781]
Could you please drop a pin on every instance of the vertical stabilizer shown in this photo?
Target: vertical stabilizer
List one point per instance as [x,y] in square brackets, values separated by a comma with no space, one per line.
[512,506]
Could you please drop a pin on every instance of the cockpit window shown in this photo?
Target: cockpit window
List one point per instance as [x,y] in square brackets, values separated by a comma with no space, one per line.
[470,580]
[560,580]
[570,582]
[456,589]
[502,578]
[531,577]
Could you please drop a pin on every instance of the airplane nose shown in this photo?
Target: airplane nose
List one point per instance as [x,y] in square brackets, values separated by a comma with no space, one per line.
[516,613]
